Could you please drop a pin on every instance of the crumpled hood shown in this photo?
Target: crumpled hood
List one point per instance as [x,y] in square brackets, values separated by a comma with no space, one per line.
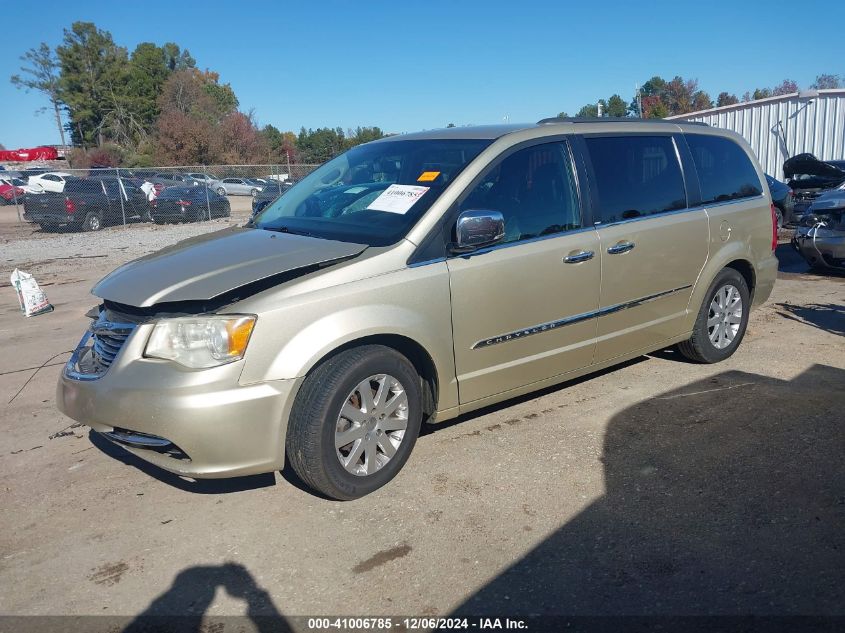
[809,165]
[210,265]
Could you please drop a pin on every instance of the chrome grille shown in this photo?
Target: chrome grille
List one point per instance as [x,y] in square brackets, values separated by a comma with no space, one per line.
[98,348]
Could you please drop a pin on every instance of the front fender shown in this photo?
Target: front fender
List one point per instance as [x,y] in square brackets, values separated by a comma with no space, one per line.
[313,343]
[414,303]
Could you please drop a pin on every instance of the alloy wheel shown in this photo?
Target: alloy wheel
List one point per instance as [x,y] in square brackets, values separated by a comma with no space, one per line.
[371,424]
[725,316]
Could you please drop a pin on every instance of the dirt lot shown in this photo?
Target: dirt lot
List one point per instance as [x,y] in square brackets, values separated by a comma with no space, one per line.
[659,487]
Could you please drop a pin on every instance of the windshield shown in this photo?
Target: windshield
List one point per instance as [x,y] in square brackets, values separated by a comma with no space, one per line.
[373,194]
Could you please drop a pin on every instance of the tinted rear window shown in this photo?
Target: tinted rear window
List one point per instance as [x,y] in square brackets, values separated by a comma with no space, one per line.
[724,169]
[636,176]
[83,186]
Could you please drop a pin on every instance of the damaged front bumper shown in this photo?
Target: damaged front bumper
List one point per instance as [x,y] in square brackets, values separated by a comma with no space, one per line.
[195,423]
[821,248]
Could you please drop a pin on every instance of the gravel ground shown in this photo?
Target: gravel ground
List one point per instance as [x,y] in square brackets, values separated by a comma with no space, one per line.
[64,257]
[61,258]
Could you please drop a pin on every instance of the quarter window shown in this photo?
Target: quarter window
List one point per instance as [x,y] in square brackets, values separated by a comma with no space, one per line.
[534,189]
[724,170]
[636,176]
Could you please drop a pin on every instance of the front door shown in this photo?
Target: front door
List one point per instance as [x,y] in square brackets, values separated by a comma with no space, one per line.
[652,247]
[524,310]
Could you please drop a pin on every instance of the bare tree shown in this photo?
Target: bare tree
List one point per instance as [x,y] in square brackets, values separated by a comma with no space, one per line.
[41,72]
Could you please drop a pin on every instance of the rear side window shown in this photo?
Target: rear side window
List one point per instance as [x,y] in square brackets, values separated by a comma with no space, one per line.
[636,176]
[111,187]
[84,186]
[724,169]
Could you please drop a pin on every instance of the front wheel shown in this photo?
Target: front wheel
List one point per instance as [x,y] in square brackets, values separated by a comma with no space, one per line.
[221,191]
[721,321]
[779,217]
[355,421]
[253,192]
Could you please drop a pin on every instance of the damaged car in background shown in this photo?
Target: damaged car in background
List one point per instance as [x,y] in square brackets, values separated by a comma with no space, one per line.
[820,237]
[809,177]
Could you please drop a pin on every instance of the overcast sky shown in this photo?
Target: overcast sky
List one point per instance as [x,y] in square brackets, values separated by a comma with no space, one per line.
[416,65]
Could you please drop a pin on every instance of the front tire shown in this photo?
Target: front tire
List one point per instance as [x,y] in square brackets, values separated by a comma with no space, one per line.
[221,191]
[355,421]
[722,319]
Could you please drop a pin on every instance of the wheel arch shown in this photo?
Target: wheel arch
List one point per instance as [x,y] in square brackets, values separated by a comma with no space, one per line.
[734,256]
[746,269]
[416,354]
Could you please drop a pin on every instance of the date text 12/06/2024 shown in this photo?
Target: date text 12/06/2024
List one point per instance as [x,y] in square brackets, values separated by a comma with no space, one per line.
[414,624]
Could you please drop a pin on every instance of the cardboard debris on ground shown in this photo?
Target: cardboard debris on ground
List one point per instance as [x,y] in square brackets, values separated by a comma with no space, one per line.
[32,299]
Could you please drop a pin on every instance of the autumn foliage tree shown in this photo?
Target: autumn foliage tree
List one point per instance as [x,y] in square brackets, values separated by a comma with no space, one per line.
[199,122]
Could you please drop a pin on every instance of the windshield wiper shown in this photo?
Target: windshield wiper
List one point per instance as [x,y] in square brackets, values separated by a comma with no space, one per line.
[286,229]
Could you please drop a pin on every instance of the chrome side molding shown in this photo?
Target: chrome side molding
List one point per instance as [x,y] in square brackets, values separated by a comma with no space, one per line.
[577,318]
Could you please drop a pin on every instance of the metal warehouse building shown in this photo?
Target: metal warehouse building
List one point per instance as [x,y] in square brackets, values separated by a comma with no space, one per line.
[779,127]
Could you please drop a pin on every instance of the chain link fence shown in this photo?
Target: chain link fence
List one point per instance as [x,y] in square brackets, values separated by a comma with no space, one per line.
[89,200]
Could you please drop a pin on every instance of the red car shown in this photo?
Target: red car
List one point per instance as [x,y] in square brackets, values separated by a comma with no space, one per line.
[8,193]
[33,153]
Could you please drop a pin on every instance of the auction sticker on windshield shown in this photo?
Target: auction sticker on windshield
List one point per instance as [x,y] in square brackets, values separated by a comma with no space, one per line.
[398,198]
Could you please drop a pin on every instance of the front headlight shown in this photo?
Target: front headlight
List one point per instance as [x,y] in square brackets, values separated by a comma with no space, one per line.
[200,342]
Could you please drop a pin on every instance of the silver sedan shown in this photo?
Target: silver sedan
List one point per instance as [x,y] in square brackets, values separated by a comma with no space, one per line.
[235,187]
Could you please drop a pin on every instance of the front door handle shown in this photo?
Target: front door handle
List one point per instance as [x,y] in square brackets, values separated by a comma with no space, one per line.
[576,258]
[621,247]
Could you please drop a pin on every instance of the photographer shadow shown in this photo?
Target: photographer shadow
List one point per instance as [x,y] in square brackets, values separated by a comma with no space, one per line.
[724,497]
[181,608]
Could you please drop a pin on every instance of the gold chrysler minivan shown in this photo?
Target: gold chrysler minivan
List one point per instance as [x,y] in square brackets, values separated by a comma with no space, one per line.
[417,278]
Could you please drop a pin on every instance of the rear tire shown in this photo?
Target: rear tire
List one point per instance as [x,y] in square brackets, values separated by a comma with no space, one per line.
[779,217]
[92,222]
[722,319]
[332,406]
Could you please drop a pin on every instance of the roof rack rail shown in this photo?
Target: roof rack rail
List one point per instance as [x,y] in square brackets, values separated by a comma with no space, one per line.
[613,119]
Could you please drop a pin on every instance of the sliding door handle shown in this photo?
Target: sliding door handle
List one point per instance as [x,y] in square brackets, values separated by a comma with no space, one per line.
[621,247]
[575,258]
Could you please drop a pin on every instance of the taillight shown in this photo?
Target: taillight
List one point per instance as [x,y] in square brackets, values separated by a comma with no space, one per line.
[184,203]
[774,229]
[69,206]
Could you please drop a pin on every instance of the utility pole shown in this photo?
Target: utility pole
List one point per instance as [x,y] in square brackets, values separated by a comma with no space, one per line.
[598,109]
[639,101]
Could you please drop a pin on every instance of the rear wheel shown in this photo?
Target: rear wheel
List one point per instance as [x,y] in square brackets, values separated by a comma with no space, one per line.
[92,222]
[721,321]
[355,421]
[779,217]
[253,192]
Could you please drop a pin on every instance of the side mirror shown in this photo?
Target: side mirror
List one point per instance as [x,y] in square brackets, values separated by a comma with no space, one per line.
[476,229]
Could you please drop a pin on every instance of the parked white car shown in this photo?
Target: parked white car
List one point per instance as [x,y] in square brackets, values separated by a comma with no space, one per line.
[20,183]
[51,181]
[235,187]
